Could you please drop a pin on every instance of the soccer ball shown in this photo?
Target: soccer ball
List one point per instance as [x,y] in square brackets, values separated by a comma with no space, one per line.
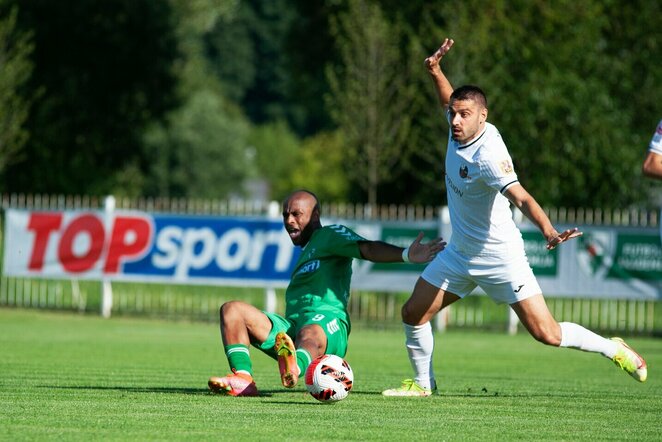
[329,378]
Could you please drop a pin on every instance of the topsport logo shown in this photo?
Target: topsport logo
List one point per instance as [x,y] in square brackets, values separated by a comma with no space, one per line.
[139,246]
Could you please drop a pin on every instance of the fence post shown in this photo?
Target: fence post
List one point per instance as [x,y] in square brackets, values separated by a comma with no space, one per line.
[513,320]
[441,319]
[106,286]
[270,303]
[445,231]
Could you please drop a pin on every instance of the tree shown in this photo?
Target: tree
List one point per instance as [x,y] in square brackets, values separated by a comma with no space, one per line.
[200,149]
[200,152]
[559,92]
[230,51]
[275,149]
[15,50]
[370,92]
[105,69]
[322,167]
[248,51]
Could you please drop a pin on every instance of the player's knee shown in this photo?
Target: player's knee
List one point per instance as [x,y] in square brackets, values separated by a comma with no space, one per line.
[405,314]
[312,337]
[410,315]
[228,310]
[547,335]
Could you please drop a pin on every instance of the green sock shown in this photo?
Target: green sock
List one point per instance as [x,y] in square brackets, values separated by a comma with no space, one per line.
[303,360]
[238,358]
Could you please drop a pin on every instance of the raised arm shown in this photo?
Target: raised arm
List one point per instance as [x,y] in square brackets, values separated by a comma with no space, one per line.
[441,83]
[380,251]
[523,200]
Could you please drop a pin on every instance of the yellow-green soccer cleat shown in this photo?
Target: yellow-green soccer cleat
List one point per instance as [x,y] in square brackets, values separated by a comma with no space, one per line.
[630,361]
[287,360]
[409,388]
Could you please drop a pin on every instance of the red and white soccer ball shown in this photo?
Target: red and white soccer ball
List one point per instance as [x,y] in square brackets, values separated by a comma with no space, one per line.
[329,378]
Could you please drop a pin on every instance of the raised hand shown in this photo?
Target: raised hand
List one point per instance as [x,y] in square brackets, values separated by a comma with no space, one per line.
[432,62]
[421,253]
[562,237]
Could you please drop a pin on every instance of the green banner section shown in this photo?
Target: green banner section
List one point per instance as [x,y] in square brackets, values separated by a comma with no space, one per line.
[543,262]
[637,256]
[403,237]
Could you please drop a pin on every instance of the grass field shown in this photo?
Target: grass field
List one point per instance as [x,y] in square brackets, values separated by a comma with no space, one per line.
[76,377]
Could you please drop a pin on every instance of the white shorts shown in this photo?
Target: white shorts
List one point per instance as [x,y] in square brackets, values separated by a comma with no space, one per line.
[505,279]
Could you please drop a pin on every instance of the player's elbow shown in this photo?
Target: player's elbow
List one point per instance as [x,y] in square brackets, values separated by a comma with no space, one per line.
[652,166]
[650,171]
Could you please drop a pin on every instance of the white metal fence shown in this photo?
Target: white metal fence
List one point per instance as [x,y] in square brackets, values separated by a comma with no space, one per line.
[387,212]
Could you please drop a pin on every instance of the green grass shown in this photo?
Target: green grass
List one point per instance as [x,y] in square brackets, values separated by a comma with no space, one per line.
[77,377]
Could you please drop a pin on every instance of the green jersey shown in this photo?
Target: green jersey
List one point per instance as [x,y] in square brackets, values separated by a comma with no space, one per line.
[320,280]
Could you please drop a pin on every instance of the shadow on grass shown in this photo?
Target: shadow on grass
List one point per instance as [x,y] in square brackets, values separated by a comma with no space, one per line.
[483,393]
[470,393]
[282,393]
[167,390]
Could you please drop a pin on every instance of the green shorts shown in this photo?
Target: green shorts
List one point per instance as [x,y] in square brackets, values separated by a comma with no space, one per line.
[336,330]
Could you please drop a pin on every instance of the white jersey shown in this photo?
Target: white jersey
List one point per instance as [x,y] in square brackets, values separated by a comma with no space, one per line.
[656,142]
[477,174]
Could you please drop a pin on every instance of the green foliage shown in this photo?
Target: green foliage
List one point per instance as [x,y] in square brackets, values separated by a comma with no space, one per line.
[200,152]
[422,168]
[105,69]
[370,94]
[231,51]
[261,29]
[274,149]
[197,19]
[127,379]
[16,66]
[101,97]
[323,168]
[200,149]
[553,85]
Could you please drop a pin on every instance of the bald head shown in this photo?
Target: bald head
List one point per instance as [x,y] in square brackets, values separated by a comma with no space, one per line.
[301,216]
[304,197]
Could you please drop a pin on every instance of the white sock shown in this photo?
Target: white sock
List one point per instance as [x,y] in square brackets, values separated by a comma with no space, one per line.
[420,344]
[575,336]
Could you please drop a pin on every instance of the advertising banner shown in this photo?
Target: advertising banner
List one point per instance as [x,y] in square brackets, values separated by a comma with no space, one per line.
[136,246]
[395,277]
[606,262]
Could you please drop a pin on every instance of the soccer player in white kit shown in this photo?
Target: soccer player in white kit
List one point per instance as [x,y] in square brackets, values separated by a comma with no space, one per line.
[652,166]
[486,247]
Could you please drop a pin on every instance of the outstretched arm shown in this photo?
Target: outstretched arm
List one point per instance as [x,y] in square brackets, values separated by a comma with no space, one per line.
[417,252]
[523,200]
[441,83]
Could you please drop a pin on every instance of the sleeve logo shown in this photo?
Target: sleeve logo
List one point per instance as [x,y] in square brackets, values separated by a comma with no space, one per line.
[506,167]
[344,231]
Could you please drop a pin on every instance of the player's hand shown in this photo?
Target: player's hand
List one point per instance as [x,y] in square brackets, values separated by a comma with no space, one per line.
[555,240]
[432,62]
[421,253]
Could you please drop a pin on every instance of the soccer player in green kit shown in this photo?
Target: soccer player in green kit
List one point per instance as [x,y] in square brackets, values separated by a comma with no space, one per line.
[316,321]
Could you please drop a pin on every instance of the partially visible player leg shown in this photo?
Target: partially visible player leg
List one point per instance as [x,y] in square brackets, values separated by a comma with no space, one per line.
[287,360]
[320,333]
[312,342]
[241,323]
[425,301]
[538,320]
[294,359]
